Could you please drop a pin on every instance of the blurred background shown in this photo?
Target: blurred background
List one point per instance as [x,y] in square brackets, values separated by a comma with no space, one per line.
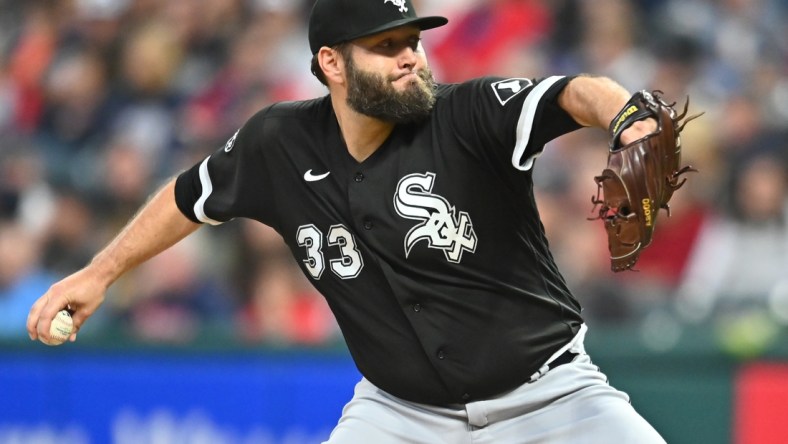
[101,101]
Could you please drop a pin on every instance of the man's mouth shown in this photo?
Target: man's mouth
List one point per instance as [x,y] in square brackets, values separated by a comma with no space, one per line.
[410,76]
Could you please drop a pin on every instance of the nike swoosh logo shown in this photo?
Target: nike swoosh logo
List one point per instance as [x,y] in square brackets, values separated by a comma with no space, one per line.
[309,177]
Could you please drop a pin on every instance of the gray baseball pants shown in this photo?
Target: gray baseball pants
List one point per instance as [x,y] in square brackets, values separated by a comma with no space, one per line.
[571,403]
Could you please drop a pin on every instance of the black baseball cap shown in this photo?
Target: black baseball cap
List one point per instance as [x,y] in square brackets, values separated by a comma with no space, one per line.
[336,21]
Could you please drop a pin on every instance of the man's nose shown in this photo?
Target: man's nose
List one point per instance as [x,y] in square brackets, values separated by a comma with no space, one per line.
[407,57]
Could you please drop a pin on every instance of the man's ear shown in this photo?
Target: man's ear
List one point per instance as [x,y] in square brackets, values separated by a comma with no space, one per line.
[332,64]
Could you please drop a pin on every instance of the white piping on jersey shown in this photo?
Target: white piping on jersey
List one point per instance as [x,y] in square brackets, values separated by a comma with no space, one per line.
[207,189]
[526,123]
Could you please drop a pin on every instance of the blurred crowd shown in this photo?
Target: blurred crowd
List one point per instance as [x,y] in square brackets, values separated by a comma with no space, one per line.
[101,101]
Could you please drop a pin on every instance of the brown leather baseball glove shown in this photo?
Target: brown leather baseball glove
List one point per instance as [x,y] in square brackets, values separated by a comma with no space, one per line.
[640,177]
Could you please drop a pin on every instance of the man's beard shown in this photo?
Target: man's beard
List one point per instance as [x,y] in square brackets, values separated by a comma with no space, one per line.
[373,95]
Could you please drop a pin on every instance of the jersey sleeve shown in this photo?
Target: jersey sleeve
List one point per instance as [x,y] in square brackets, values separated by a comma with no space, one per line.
[515,117]
[211,190]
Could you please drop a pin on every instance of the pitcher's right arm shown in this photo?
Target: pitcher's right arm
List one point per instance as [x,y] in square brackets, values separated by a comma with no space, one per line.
[157,226]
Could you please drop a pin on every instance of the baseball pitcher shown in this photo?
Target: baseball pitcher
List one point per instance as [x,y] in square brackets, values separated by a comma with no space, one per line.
[409,205]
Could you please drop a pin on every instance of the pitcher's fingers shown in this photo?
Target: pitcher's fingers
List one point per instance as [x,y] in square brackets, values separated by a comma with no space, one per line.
[54,304]
[33,317]
[77,318]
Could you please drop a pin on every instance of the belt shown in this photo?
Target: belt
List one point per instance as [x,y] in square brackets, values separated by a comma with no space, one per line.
[564,358]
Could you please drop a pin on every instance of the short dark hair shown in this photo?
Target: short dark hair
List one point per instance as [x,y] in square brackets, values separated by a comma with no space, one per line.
[343,49]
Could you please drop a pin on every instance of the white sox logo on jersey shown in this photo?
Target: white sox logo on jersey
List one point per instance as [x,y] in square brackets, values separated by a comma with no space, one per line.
[399,3]
[442,227]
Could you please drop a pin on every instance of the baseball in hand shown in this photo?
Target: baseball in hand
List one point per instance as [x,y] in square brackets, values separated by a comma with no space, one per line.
[61,328]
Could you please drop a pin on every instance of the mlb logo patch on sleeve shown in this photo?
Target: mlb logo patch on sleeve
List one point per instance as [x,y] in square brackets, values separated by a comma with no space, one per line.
[505,90]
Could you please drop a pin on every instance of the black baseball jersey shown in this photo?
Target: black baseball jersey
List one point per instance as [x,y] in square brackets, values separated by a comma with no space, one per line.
[430,252]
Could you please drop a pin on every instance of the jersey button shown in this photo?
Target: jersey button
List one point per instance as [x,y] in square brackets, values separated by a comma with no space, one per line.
[417,307]
[359,177]
[368,225]
[441,354]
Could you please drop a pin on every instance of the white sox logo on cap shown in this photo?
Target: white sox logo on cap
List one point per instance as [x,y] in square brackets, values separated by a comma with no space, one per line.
[398,3]
[442,227]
